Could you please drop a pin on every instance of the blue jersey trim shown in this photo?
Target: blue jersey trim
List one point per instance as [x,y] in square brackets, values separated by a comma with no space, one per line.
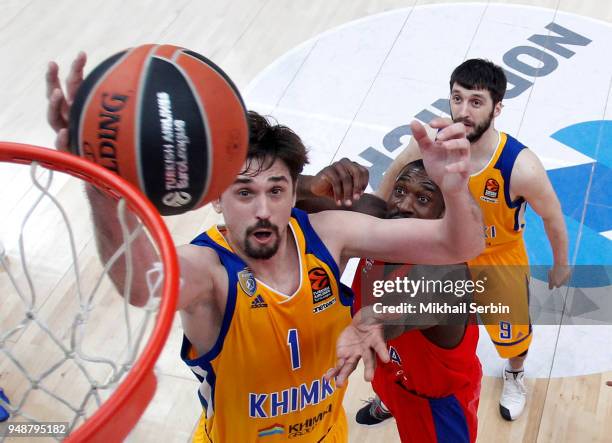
[347,296]
[232,264]
[211,379]
[314,244]
[449,420]
[316,247]
[517,211]
[505,163]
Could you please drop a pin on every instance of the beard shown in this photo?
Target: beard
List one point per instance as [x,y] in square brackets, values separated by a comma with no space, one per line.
[261,252]
[479,129]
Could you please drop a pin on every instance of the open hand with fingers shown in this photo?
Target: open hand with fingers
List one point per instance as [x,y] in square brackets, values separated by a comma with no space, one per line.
[362,339]
[344,181]
[447,157]
[58,108]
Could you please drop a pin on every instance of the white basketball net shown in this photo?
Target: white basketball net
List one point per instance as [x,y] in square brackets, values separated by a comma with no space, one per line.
[67,337]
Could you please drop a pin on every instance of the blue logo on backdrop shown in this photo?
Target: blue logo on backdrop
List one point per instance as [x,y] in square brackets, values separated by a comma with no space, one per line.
[586,200]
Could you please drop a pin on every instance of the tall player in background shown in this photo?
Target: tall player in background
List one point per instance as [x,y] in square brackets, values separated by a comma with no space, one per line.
[504,178]
[260,301]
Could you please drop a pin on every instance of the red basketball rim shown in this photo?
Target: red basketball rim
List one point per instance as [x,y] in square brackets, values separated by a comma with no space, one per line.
[120,413]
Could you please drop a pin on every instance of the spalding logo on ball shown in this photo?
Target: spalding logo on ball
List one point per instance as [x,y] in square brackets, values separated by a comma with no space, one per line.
[167,120]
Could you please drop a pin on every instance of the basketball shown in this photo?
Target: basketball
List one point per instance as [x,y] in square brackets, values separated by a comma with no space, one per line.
[166,119]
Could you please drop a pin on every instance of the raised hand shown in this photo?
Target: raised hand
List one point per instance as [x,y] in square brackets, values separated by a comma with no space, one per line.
[447,157]
[344,181]
[58,108]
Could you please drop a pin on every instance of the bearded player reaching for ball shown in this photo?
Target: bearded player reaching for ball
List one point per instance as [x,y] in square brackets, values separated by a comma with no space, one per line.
[258,337]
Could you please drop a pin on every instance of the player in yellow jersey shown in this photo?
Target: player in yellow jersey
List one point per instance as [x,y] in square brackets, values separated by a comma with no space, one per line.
[260,302]
[504,177]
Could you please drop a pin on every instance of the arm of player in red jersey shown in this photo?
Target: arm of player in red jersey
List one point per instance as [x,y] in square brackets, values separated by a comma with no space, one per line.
[375,323]
[529,180]
[338,185]
[362,339]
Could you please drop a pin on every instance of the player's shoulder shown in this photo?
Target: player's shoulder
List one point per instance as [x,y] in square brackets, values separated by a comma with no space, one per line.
[527,171]
[197,257]
[525,160]
[527,163]
[204,279]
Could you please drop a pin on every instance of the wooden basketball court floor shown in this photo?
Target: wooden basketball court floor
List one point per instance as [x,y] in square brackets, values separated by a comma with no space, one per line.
[243,37]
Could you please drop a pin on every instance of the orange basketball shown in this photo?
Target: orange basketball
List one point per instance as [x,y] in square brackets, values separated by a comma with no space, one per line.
[166,119]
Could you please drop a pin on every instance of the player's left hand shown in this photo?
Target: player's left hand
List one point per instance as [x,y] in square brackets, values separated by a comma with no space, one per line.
[58,108]
[344,181]
[447,157]
[362,339]
[558,276]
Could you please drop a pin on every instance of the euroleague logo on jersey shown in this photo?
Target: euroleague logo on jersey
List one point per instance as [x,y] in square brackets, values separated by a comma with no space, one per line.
[491,188]
[491,191]
[319,282]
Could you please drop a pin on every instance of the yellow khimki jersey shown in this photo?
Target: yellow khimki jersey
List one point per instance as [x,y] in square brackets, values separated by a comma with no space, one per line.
[504,263]
[263,379]
[503,217]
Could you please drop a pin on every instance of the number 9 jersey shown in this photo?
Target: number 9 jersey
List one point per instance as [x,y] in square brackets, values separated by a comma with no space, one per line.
[503,265]
[263,378]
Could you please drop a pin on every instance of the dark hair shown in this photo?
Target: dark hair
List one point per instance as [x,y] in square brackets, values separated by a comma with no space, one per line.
[269,142]
[478,73]
[416,165]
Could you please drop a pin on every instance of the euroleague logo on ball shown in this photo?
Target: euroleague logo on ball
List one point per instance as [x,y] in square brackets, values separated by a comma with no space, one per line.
[176,199]
[175,147]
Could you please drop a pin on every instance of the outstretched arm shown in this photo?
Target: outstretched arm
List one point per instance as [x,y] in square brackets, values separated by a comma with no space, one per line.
[529,180]
[362,339]
[455,238]
[379,319]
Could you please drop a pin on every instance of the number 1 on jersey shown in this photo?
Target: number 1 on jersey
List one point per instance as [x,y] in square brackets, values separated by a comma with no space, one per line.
[294,348]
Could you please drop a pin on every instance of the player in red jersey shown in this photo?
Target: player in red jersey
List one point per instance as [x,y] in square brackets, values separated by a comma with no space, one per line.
[431,384]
